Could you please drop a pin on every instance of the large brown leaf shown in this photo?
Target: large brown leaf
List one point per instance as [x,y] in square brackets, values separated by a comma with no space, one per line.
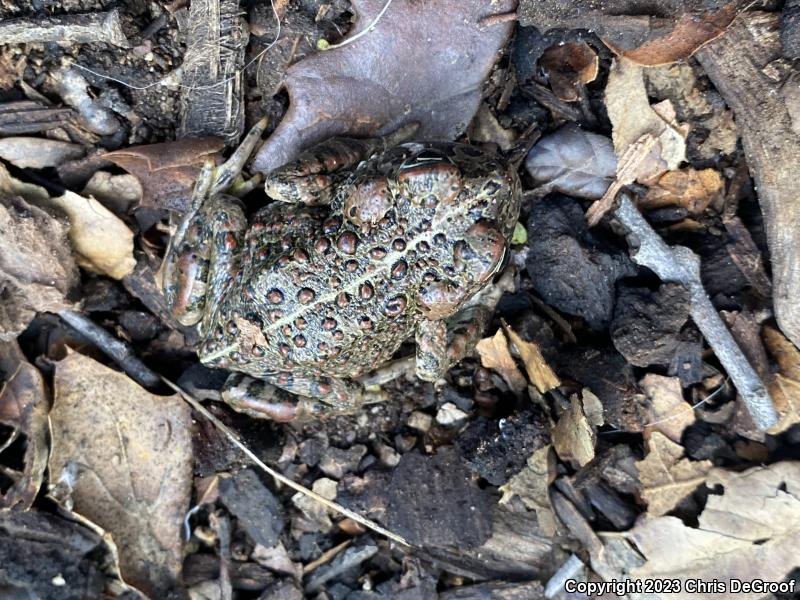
[748,532]
[633,28]
[423,61]
[127,455]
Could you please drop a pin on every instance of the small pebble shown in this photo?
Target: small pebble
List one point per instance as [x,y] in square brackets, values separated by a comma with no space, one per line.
[420,421]
[325,487]
[450,415]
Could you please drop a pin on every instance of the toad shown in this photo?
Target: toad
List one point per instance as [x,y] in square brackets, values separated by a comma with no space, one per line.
[364,247]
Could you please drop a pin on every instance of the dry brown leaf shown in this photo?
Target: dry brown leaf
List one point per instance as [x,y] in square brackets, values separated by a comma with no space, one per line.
[567,66]
[422,61]
[23,410]
[495,355]
[539,372]
[128,456]
[648,140]
[37,270]
[531,485]
[694,190]
[667,478]
[168,171]
[573,436]
[747,532]
[665,411]
[690,33]
[627,28]
[785,385]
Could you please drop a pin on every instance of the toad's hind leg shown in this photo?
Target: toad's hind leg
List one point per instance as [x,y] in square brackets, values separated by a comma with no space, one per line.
[340,394]
[313,176]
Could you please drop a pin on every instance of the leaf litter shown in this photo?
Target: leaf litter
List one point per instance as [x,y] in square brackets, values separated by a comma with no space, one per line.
[524,414]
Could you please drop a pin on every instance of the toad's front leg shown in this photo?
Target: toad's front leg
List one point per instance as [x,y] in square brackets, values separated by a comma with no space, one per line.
[204,253]
[444,342]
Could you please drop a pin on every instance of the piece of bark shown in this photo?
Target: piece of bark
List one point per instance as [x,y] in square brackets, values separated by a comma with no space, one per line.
[212,84]
[738,65]
[27,116]
[498,590]
[70,29]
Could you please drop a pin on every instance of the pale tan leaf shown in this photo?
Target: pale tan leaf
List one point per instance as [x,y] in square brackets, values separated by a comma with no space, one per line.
[495,355]
[667,478]
[692,189]
[747,532]
[539,372]
[531,485]
[127,455]
[785,385]
[573,436]
[101,241]
[666,411]
[648,140]
[593,408]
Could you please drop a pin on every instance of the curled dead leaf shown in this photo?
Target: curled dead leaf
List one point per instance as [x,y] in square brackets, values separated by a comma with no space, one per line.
[568,66]
[630,27]
[539,372]
[495,355]
[689,34]
[667,477]
[692,189]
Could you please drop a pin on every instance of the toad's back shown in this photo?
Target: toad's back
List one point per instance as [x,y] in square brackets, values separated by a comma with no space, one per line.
[336,290]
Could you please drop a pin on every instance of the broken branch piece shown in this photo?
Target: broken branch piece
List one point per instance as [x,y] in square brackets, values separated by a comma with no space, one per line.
[681,265]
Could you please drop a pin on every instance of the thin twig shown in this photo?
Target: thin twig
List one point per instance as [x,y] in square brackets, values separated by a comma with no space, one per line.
[679,264]
[279,476]
[117,350]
